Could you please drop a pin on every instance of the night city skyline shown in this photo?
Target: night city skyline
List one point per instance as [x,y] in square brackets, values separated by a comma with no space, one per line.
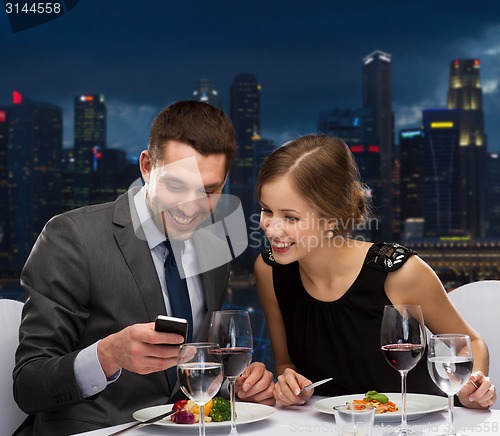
[79,92]
[303,62]
[307,59]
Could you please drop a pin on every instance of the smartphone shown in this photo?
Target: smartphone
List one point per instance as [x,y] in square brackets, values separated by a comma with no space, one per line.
[170,324]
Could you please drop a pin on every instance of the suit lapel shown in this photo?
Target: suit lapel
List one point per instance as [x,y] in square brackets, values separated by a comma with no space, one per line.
[136,252]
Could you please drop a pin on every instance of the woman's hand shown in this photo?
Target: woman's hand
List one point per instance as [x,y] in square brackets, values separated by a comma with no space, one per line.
[256,385]
[287,390]
[481,398]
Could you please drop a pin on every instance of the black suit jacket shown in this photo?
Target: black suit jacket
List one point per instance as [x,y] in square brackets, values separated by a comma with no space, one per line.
[89,276]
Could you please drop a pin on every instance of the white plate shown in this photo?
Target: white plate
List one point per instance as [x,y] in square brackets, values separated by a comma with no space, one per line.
[417,405]
[246,413]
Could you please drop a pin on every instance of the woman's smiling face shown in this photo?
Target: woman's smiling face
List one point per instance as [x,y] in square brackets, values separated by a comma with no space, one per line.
[293,227]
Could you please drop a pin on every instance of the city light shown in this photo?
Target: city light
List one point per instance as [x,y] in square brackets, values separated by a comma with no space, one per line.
[411,134]
[442,125]
[17,97]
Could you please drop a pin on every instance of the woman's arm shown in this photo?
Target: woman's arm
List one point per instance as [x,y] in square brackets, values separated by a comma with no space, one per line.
[417,283]
[287,389]
[274,320]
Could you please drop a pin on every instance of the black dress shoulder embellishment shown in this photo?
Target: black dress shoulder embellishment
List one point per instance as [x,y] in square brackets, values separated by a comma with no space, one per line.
[268,257]
[388,257]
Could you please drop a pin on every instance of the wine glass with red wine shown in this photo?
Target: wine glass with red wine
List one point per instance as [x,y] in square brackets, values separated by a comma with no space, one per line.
[231,329]
[402,339]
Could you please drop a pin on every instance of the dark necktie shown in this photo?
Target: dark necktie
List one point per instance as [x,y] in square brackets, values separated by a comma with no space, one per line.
[178,294]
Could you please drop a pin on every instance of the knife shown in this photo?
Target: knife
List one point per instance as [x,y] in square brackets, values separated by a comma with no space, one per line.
[313,385]
[143,423]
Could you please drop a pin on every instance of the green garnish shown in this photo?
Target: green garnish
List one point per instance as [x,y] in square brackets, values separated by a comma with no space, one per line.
[374,395]
[221,410]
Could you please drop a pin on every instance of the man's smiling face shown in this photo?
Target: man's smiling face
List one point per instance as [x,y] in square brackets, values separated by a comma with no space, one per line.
[182,188]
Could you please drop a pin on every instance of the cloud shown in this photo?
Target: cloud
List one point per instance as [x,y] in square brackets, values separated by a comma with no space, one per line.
[492,36]
[128,126]
[279,137]
[493,51]
[490,86]
[409,116]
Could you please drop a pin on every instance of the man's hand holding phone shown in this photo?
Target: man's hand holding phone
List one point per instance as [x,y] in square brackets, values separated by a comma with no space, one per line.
[136,347]
[170,324]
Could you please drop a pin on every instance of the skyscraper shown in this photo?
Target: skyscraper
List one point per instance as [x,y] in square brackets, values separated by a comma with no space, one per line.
[377,95]
[110,175]
[441,175]
[465,95]
[4,185]
[245,115]
[205,91]
[89,136]
[494,195]
[68,178]
[411,152]
[411,155]
[34,167]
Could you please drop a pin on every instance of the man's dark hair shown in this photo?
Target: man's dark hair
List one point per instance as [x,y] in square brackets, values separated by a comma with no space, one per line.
[204,127]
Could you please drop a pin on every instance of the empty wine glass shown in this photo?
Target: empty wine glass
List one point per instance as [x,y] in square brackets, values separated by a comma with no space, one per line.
[450,361]
[402,339]
[231,329]
[200,374]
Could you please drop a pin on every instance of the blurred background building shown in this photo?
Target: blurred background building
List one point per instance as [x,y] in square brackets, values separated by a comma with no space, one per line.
[465,95]
[436,190]
[34,153]
[205,91]
[89,144]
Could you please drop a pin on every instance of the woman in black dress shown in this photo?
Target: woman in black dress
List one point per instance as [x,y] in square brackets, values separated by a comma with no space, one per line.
[323,291]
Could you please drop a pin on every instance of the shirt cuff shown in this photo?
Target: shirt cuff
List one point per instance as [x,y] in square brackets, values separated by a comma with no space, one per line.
[89,374]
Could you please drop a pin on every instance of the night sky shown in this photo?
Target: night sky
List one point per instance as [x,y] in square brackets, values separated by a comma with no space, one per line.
[307,55]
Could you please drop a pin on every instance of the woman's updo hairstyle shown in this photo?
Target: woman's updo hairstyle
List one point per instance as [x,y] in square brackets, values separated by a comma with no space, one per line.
[324,172]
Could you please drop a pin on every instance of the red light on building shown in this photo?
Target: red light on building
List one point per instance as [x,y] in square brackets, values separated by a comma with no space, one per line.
[97,152]
[357,149]
[3,116]
[88,98]
[374,149]
[17,97]
[476,62]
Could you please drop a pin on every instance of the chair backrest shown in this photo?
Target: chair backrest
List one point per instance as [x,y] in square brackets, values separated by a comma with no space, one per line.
[479,304]
[11,416]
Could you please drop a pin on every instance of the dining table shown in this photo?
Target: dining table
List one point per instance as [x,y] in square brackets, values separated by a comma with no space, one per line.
[308,420]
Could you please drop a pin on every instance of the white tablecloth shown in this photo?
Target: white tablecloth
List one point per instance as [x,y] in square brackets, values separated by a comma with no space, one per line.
[305,420]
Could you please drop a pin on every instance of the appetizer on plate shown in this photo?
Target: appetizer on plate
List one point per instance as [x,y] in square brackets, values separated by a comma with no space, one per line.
[217,409]
[380,401]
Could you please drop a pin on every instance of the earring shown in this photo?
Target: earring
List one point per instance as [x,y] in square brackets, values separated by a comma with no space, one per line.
[330,234]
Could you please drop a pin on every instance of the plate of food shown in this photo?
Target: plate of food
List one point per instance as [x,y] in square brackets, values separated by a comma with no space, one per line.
[417,405]
[218,414]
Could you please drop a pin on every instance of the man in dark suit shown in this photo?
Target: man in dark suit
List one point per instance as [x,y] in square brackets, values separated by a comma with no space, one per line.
[95,281]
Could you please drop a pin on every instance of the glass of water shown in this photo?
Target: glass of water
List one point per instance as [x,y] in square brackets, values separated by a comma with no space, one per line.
[450,361]
[200,374]
[354,419]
